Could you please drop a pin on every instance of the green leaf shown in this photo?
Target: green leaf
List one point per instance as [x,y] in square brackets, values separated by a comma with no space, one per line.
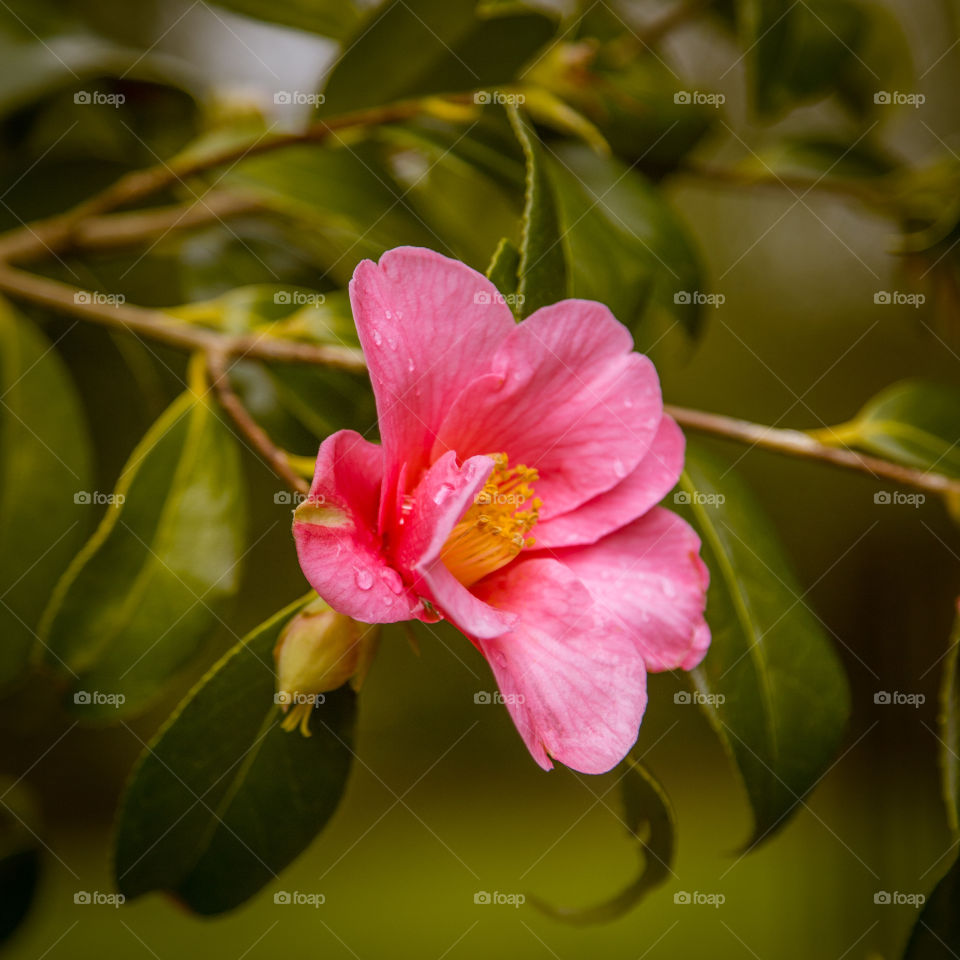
[624,245]
[804,51]
[44,464]
[648,817]
[543,268]
[772,685]
[424,47]
[223,799]
[950,727]
[936,934]
[913,422]
[343,201]
[504,267]
[151,583]
[329,18]
[19,855]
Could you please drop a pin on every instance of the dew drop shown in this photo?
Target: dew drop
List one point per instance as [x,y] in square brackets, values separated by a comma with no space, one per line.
[388,314]
[442,493]
[410,364]
[377,337]
[669,590]
[619,469]
[392,579]
[364,579]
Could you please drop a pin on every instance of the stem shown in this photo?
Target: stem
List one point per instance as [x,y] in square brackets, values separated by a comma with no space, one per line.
[277,459]
[799,444]
[157,325]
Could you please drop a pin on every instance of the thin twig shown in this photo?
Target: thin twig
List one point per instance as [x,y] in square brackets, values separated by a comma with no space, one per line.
[217,364]
[56,233]
[157,325]
[799,444]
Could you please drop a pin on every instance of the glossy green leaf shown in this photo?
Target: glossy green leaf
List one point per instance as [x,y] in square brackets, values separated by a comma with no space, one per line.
[44,465]
[914,422]
[424,47]
[624,245]
[542,274]
[648,817]
[152,582]
[329,18]
[936,934]
[20,855]
[504,267]
[771,685]
[223,799]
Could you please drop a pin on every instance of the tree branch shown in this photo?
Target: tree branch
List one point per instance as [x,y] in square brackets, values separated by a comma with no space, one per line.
[799,444]
[157,325]
[57,233]
[277,459]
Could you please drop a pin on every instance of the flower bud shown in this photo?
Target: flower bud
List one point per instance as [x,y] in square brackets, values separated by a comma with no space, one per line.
[319,650]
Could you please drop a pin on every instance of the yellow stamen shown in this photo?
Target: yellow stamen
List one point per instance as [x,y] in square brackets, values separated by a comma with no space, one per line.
[494,529]
[299,715]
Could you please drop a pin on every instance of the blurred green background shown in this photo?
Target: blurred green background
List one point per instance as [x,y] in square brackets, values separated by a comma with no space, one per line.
[444,800]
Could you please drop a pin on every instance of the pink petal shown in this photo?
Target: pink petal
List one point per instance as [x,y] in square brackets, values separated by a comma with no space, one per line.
[632,497]
[570,673]
[567,396]
[335,530]
[438,503]
[650,575]
[428,326]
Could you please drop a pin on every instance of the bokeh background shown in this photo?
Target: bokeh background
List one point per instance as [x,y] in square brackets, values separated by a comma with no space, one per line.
[445,801]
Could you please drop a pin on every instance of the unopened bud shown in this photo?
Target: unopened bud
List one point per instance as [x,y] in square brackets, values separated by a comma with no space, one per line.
[319,650]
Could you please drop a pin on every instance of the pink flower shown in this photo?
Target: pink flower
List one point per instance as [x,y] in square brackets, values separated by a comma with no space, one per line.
[514,494]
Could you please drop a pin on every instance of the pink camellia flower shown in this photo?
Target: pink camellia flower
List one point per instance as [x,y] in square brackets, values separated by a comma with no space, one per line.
[514,494]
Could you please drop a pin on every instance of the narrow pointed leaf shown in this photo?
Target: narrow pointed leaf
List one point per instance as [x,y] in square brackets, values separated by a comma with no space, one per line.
[223,799]
[772,685]
[44,469]
[151,583]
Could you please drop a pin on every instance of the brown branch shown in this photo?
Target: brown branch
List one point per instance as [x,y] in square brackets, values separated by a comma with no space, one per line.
[157,325]
[217,364]
[799,444]
[56,233]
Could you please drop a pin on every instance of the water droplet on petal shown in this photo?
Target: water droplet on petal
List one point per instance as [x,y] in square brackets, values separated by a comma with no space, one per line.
[388,314]
[442,493]
[377,337]
[410,364]
[628,403]
[392,579]
[364,579]
[619,469]
[669,590]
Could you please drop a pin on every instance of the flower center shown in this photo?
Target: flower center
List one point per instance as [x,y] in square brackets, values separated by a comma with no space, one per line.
[494,529]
